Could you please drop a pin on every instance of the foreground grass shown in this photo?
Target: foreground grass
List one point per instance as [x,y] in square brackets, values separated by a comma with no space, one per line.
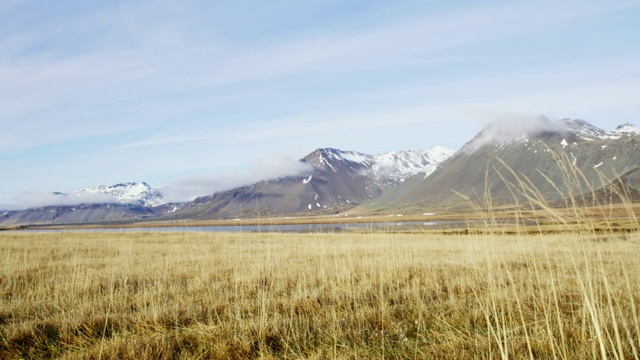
[221,296]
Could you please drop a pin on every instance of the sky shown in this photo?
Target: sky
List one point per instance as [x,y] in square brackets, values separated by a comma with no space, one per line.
[213,94]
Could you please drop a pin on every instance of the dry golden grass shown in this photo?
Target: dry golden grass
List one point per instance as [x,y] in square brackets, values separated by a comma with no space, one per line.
[234,296]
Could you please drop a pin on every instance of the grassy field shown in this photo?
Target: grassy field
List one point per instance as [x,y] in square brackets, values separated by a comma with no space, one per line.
[232,296]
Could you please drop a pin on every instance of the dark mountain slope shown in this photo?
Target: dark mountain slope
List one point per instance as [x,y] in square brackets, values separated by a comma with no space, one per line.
[78,214]
[337,180]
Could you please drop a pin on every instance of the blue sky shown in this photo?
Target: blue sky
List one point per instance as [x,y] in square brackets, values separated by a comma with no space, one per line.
[225,92]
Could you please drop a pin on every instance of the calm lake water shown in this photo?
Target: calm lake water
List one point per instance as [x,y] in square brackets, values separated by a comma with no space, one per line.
[313,228]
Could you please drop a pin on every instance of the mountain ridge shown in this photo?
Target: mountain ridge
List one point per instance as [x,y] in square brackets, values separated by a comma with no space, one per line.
[547,157]
[338,180]
[542,153]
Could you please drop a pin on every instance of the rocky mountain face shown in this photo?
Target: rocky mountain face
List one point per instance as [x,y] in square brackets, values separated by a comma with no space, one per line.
[338,180]
[552,160]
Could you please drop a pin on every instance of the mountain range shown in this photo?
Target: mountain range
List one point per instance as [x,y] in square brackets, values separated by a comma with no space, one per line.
[551,161]
[336,181]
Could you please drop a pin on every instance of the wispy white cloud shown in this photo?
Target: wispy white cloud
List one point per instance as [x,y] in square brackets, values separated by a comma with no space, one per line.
[300,126]
[28,200]
[503,126]
[169,87]
[161,59]
[268,167]
[582,99]
[185,189]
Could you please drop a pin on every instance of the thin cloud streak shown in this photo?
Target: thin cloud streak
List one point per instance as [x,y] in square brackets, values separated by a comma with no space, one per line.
[185,189]
[124,72]
[269,167]
[29,200]
[298,127]
[156,83]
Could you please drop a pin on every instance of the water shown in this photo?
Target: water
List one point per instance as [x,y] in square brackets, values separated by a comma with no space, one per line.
[300,228]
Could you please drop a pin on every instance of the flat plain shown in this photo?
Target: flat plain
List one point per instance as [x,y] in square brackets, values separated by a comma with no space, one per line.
[321,296]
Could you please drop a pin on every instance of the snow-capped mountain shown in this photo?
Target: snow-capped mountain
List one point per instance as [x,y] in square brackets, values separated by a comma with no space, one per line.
[392,167]
[114,203]
[130,193]
[540,155]
[571,130]
[586,131]
[589,132]
[627,128]
[130,201]
[338,180]
[499,156]
[401,165]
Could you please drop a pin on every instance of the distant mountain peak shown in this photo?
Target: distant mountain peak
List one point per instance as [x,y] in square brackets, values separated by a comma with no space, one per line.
[517,131]
[130,193]
[324,158]
[337,154]
[584,130]
[400,165]
[589,132]
[390,167]
[627,128]
[506,132]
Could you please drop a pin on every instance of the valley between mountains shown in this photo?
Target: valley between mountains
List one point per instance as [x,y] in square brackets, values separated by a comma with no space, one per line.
[550,163]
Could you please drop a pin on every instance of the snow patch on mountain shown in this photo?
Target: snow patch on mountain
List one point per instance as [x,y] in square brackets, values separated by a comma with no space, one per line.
[583,129]
[325,157]
[395,166]
[356,157]
[627,129]
[131,193]
[590,132]
[401,165]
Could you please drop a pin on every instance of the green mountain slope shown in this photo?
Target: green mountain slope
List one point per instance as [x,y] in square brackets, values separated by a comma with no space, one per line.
[558,160]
